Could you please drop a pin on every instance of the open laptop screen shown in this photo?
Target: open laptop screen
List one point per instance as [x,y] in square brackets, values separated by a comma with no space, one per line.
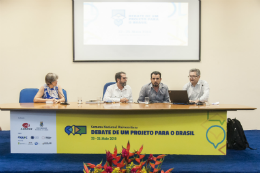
[179,96]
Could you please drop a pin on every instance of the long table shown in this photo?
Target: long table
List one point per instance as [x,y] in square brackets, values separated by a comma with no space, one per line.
[162,128]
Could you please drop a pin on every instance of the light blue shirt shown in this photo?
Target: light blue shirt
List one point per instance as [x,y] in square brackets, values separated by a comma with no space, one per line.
[199,92]
[162,96]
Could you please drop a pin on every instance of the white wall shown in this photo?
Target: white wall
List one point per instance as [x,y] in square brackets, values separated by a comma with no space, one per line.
[36,38]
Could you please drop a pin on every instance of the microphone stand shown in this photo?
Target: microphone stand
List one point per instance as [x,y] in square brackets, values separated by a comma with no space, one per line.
[200,103]
[64,103]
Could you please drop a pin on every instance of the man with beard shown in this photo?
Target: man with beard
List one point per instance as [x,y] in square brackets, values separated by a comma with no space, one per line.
[119,92]
[198,90]
[156,91]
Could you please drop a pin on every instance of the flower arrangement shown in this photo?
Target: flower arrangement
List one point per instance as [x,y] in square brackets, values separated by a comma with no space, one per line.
[125,163]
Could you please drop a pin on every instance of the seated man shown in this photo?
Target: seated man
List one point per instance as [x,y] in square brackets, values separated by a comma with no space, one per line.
[119,92]
[198,90]
[156,91]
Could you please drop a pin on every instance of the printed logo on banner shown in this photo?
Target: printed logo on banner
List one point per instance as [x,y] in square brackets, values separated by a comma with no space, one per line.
[46,143]
[41,128]
[36,143]
[30,143]
[46,137]
[34,137]
[26,126]
[76,130]
[21,143]
[22,137]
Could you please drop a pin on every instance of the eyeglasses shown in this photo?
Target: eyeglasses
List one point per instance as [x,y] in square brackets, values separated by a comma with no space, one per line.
[192,76]
[124,77]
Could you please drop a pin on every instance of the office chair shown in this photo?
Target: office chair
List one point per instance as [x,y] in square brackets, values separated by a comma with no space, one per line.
[105,87]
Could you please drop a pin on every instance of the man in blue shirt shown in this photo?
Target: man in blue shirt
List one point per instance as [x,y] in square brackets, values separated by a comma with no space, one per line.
[156,91]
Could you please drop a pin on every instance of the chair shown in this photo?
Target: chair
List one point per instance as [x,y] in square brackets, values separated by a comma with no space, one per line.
[27,95]
[65,94]
[105,87]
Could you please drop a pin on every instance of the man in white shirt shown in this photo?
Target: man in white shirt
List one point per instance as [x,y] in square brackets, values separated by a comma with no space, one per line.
[198,90]
[119,92]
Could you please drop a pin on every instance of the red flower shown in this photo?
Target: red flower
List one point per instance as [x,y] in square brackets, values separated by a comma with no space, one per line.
[125,153]
[109,158]
[170,170]
[140,150]
[109,169]
[160,156]
[133,170]
[150,158]
[86,168]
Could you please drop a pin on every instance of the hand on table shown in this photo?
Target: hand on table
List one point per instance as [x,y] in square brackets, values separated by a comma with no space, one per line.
[194,101]
[124,100]
[55,100]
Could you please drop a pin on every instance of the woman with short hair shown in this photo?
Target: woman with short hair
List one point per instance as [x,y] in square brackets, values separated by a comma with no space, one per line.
[50,91]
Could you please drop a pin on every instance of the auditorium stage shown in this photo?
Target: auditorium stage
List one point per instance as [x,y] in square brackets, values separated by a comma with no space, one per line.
[235,161]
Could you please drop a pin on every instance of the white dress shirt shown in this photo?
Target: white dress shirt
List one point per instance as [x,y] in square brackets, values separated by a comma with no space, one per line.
[114,94]
[199,92]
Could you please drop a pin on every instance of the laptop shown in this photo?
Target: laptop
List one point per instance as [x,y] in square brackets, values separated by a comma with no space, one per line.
[179,97]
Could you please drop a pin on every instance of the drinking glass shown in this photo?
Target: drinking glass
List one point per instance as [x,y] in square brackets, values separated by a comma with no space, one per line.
[79,100]
[98,100]
[208,103]
[146,100]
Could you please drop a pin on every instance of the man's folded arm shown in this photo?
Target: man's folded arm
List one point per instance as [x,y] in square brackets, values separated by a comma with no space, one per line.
[205,96]
[141,95]
[167,97]
[131,97]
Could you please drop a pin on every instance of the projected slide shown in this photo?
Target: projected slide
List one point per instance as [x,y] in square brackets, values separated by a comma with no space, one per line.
[135,23]
[123,30]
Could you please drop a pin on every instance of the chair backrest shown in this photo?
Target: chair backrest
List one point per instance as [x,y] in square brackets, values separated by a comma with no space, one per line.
[105,87]
[65,94]
[27,95]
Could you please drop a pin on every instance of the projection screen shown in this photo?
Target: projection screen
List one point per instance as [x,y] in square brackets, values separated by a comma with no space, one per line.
[128,30]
